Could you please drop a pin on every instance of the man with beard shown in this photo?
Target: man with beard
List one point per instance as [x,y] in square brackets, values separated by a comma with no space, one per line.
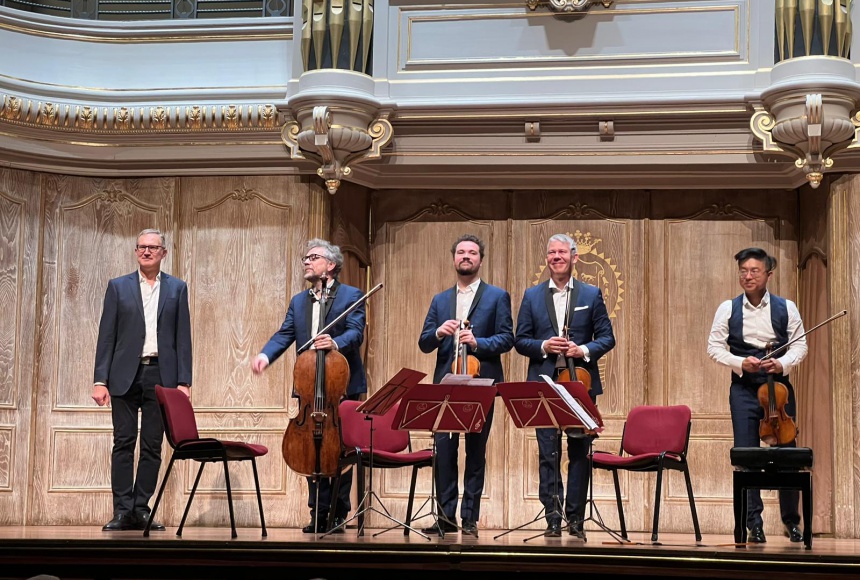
[322,263]
[487,308]
[540,322]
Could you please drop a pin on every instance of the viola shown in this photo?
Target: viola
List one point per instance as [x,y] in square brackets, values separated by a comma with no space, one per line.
[777,427]
[567,375]
[465,363]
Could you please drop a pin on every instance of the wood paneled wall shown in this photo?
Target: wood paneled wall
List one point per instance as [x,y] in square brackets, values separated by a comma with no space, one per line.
[662,258]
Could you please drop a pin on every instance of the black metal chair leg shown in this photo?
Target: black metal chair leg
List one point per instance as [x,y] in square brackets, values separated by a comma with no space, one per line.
[657,493]
[692,504]
[259,497]
[411,501]
[229,497]
[618,503]
[190,497]
[158,498]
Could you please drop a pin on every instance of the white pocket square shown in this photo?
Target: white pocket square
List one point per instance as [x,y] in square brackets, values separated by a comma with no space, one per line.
[575,308]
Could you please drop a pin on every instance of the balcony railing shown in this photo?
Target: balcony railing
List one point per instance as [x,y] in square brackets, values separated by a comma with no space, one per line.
[124,10]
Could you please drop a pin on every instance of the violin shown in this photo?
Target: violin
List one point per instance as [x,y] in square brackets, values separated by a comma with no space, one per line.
[311,444]
[777,427]
[572,372]
[465,363]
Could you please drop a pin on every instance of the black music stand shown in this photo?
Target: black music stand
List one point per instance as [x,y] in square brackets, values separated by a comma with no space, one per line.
[379,403]
[459,405]
[536,405]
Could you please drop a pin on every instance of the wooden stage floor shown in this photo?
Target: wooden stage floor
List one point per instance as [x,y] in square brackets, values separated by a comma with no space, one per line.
[76,552]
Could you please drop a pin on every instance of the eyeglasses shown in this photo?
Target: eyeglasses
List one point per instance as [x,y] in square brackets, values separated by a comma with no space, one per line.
[754,273]
[311,258]
[143,248]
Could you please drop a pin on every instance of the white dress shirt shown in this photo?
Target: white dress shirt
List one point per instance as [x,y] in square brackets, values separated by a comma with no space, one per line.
[758,331]
[150,296]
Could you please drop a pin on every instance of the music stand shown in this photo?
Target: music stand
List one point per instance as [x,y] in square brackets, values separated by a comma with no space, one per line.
[536,405]
[459,405]
[379,403]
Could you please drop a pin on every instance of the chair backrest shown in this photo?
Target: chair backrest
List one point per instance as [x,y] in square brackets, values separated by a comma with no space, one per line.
[178,415]
[654,429]
[355,429]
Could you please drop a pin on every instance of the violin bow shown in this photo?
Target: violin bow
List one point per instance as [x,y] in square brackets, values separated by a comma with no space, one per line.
[340,317]
[793,340]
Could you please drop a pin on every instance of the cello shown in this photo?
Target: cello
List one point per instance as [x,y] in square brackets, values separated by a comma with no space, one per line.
[311,445]
[465,363]
[777,427]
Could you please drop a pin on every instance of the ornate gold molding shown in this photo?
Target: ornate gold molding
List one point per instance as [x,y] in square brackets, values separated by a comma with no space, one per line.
[183,118]
[567,6]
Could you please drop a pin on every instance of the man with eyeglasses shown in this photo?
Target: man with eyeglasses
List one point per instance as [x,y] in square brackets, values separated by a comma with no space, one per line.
[739,337]
[144,340]
[322,262]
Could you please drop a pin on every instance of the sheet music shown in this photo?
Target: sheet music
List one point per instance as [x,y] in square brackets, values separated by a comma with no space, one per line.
[574,405]
[452,379]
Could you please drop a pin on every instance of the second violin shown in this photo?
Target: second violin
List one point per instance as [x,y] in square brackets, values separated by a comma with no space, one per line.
[465,363]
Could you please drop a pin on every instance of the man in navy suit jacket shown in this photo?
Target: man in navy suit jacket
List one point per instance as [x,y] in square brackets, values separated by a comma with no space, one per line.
[144,340]
[322,263]
[490,334]
[540,323]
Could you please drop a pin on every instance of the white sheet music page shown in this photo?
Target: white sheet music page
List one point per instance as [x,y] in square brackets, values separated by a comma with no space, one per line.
[453,379]
[574,405]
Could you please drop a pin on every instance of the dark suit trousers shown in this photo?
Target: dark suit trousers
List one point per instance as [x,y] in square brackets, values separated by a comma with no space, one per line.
[132,494]
[747,413]
[325,485]
[447,471]
[549,473]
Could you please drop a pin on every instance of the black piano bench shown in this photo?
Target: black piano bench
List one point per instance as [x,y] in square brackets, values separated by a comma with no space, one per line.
[771,468]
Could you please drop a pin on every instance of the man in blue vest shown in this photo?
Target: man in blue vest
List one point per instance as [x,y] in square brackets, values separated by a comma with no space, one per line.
[739,337]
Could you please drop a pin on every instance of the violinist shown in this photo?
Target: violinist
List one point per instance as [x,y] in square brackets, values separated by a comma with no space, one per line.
[489,334]
[540,337]
[739,337]
[322,263]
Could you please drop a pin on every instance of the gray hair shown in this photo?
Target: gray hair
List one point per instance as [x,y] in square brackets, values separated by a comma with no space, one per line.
[331,252]
[158,233]
[563,238]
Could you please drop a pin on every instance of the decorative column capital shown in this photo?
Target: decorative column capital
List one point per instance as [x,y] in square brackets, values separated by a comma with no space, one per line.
[336,122]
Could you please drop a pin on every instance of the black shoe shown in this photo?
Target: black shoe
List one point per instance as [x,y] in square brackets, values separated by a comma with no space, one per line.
[140,520]
[756,535]
[321,525]
[793,532]
[338,526]
[553,530]
[120,522]
[440,528]
[470,528]
[575,529]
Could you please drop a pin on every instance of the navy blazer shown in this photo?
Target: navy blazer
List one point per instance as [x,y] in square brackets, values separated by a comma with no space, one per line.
[491,322]
[348,334]
[122,330]
[589,327]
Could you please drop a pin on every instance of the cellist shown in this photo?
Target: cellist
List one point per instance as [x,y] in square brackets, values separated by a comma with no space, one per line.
[321,262]
[488,335]
[739,337]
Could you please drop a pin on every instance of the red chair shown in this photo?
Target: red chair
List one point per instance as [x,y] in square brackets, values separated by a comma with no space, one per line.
[180,427]
[655,438]
[391,450]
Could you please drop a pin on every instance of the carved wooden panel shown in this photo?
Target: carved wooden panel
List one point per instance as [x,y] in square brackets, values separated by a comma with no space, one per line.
[20,205]
[241,241]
